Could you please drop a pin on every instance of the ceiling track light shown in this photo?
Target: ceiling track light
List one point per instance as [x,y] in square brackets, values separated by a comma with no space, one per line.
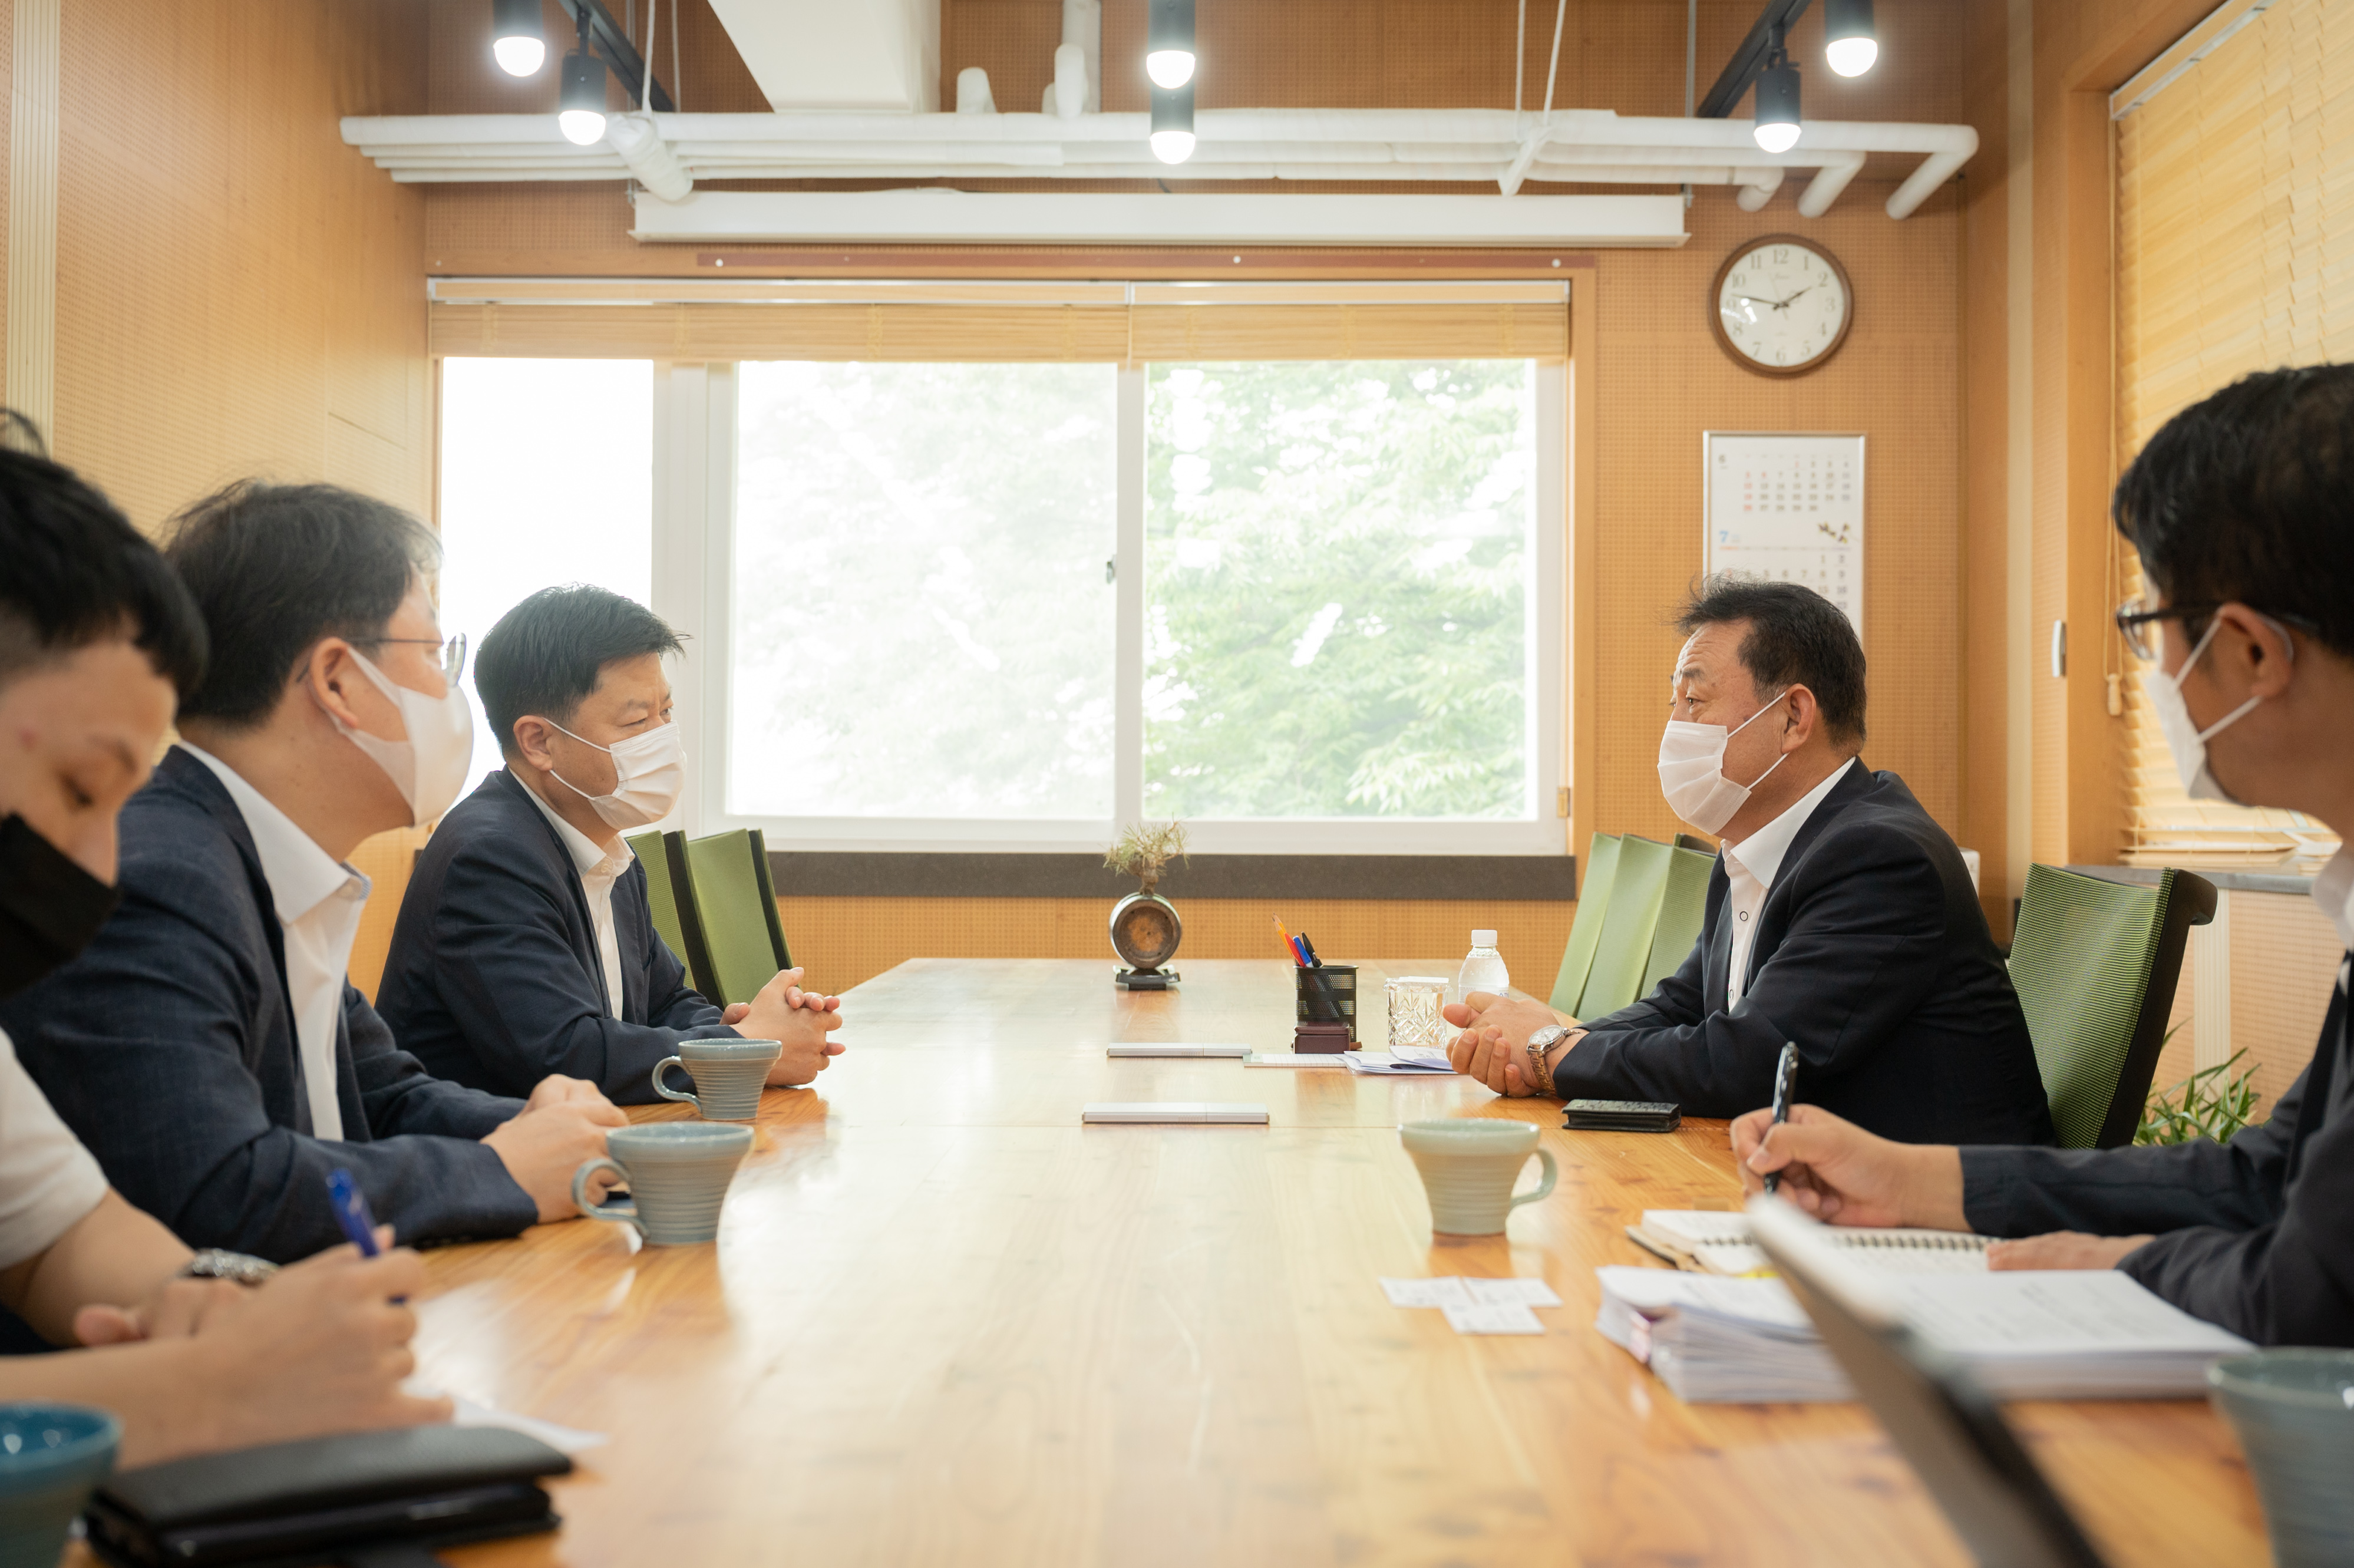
[1850,44]
[580,104]
[1173,123]
[1776,129]
[518,41]
[1169,44]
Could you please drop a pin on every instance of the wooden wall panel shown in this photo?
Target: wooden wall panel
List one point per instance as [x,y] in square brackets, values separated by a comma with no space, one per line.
[239,292]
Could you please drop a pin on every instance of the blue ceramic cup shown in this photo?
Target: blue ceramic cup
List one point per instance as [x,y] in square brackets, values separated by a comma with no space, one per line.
[677,1172]
[52,1456]
[2294,1412]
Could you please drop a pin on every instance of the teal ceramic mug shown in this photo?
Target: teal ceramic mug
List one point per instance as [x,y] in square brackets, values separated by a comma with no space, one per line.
[2293,1413]
[727,1074]
[678,1173]
[52,1456]
[1468,1167]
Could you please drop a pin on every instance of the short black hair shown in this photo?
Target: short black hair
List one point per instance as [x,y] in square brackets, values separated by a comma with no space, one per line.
[547,654]
[1795,638]
[75,572]
[274,568]
[2248,495]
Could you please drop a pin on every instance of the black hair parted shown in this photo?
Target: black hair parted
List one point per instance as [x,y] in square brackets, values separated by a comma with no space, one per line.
[1795,638]
[2248,495]
[274,568]
[547,654]
[73,571]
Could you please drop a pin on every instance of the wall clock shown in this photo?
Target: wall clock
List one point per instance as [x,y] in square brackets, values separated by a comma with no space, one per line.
[1781,306]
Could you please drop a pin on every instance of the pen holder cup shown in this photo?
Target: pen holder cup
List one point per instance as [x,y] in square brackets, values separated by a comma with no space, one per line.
[1327,995]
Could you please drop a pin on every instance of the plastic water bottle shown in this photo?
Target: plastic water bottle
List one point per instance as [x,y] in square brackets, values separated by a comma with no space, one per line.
[1483,968]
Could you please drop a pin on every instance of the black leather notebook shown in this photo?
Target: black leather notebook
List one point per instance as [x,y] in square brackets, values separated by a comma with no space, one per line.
[373,1497]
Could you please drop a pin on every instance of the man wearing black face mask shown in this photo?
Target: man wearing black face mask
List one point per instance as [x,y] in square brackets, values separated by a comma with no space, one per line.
[95,636]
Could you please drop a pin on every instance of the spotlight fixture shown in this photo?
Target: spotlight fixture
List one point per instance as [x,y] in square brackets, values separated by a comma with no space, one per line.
[580,112]
[1851,46]
[1777,98]
[1173,123]
[1169,45]
[517,41]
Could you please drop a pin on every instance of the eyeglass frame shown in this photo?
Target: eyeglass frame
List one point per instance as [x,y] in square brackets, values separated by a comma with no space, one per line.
[2130,619]
[453,650]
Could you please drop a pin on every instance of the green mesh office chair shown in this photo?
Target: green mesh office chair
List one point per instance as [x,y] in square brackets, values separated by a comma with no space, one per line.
[728,912]
[1683,909]
[1637,887]
[2096,964]
[1585,931]
[660,897]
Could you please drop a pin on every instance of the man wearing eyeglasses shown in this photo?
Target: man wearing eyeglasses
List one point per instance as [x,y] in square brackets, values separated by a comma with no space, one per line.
[207,1046]
[2240,508]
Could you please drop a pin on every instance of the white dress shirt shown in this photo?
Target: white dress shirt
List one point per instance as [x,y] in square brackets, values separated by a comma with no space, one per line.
[49,1182]
[1750,865]
[319,901]
[598,871]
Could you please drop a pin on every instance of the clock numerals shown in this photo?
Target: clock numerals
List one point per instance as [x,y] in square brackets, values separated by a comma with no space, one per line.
[1777,311]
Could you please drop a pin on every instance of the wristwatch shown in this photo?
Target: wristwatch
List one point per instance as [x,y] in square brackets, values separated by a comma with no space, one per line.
[1543,1041]
[213,1263]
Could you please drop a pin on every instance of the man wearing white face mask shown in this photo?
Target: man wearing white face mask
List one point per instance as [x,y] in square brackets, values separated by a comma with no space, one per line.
[206,1044]
[1840,916]
[526,945]
[2239,508]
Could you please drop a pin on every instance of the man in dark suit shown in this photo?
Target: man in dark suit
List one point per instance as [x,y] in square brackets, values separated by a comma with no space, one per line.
[525,945]
[207,1046]
[1841,916]
[2238,509]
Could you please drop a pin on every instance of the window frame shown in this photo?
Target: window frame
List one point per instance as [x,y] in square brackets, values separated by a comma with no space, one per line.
[694,521]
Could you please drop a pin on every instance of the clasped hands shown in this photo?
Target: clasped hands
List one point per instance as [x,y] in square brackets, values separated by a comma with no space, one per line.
[1493,1046]
[798,1020]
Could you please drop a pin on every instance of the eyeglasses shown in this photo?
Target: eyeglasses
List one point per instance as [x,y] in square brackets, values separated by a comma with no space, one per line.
[2135,618]
[453,652]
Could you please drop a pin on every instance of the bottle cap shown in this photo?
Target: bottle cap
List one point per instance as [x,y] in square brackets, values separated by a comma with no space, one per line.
[1483,938]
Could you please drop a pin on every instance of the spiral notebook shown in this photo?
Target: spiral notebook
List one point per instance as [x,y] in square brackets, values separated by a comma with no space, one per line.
[1700,1242]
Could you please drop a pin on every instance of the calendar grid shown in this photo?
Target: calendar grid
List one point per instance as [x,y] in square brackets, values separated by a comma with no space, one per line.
[1788,508]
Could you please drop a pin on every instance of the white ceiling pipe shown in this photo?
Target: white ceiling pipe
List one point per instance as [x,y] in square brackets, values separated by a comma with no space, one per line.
[634,137]
[1756,191]
[1067,95]
[1083,29]
[973,96]
[1826,185]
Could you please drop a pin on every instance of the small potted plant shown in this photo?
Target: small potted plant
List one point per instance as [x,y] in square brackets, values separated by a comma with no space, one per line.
[1145,929]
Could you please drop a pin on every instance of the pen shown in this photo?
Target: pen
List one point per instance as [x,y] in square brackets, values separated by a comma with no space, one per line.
[1309,949]
[1786,1078]
[352,1212]
[1290,949]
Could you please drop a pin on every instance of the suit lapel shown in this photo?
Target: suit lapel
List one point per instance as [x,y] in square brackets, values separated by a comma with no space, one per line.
[630,934]
[1717,967]
[583,927]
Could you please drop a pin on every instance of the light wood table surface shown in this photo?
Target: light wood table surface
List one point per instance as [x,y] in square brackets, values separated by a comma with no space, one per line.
[944,1323]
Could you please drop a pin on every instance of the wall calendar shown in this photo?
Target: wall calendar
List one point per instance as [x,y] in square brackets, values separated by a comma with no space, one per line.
[1788,508]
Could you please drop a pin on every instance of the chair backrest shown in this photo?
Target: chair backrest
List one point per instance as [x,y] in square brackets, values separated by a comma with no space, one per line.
[2095,963]
[661,897]
[1623,952]
[726,880]
[1683,909]
[1585,931]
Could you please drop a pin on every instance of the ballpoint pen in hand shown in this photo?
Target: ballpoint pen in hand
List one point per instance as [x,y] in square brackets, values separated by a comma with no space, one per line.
[351,1206]
[1785,1078]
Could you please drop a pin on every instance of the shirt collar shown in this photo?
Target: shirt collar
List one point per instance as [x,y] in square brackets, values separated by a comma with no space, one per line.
[301,874]
[1761,853]
[588,856]
[2333,889]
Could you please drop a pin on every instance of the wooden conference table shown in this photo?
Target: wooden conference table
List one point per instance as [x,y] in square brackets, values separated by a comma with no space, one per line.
[945,1323]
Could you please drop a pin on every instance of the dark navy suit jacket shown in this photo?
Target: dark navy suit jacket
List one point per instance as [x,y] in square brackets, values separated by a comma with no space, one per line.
[169,1048]
[494,979]
[1871,953]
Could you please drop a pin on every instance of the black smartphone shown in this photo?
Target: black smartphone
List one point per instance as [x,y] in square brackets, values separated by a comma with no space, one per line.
[1622,1115]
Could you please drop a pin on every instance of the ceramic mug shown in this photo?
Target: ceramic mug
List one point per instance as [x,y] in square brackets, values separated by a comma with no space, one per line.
[2293,1413]
[678,1173]
[727,1074]
[52,1456]
[1468,1167]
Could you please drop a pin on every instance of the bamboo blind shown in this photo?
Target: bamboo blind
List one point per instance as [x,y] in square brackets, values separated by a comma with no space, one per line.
[992,333]
[2234,253]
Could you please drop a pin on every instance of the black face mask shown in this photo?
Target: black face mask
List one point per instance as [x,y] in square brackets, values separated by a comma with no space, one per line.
[50,907]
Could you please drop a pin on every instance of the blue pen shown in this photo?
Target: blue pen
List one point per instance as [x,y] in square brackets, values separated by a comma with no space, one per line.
[351,1207]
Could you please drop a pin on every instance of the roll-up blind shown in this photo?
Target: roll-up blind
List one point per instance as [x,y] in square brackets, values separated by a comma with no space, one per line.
[633,319]
[2234,253]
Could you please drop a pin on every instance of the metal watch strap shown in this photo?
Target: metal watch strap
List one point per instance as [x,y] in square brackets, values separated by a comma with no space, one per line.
[213,1263]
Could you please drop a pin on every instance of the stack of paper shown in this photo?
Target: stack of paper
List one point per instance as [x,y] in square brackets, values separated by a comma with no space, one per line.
[1476,1306]
[1709,1243]
[1403,1060]
[2089,1334]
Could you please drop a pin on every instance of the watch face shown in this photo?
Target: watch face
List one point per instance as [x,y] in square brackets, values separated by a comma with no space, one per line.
[1782,306]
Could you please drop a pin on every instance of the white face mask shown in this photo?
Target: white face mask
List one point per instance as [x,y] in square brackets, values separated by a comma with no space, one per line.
[2183,735]
[649,775]
[428,769]
[1691,771]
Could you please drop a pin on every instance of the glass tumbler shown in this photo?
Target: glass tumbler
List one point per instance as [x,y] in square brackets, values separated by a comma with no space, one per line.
[1414,1002]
